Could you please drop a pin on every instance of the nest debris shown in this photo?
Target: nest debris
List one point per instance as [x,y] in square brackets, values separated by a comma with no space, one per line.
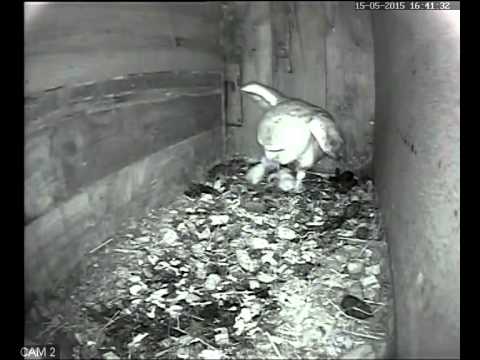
[231,270]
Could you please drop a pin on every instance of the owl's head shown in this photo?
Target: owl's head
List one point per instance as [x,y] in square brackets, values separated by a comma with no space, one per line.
[283,138]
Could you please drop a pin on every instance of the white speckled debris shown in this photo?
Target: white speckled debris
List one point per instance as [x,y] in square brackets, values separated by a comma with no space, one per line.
[111,356]
[341,259]
[137,289]
[356,290]
[137,302]
[135,279]
[355,267]
[174,311]
[354,197]
[201,270]
[253,284]
[370,281]
[351,250]
[268,258]
[212,282]
[137,340]
[158,297]
[221,338]
[373,270]
[205,234]
[169,237]
[245,261]
[182,353]
[257,243]
[286,233]
[219,219]
[198,249]
[208,354]
[151,312]
[266,278]
[153,259]
[143,239]
[372,293]
[278,265]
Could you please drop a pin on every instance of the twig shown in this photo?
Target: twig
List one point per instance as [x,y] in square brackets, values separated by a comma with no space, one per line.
[273,344]
[339,274]
[196,317]
[194,337]
[325,175]
[180,330]
[127,251]
[234,293]
[157,355]
[352,239]
[362,250]
[374,302]
[366,336]
[362,311]
[114,318]
[101,246]
[293,343]
[52,329]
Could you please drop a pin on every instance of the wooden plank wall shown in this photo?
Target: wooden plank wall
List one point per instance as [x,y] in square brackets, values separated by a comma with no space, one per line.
[329,62]
[68,43]
[113,137]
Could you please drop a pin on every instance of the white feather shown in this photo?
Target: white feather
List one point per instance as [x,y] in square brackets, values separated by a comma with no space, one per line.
[327,135]
[319,131]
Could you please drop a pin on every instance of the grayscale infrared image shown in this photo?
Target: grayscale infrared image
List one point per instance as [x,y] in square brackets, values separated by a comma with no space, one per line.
[242,180]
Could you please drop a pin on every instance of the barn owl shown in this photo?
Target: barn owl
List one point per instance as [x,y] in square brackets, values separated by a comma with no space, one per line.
[291,131]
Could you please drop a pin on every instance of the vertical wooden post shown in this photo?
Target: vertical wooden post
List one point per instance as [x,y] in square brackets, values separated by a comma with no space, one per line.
[257,65]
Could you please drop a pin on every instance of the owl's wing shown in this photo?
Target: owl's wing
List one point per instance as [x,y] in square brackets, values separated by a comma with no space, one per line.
[264,96]
[325,131]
